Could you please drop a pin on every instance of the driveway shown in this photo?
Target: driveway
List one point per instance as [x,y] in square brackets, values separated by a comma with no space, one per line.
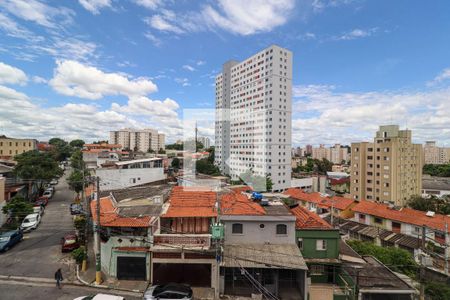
[39,254]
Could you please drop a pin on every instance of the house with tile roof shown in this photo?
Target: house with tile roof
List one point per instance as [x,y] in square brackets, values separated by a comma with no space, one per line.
[260,243]
[128,220]
[322,204]
[319,244]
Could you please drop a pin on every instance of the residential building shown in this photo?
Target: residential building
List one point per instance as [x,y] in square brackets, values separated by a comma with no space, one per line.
[2,200]
[336,154]
[376,281]
[253,116]
[339,182]
[144,140]
[323,204]
[95,157]
[435,155]
[319,244]
[259,243]
[128,218]
[436,186]
[387,170]
[308,150]
[121,174]
[206,142]
[10,147]
[320,153]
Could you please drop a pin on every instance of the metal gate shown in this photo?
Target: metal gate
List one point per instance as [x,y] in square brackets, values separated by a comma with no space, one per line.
[131,268]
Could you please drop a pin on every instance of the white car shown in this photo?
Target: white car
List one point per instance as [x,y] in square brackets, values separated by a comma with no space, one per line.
[48,193]
[100,297]
[30,222]
[38,210]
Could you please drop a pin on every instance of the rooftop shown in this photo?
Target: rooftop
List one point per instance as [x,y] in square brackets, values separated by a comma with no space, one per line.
[404,215]
[306,219]
[320,199]
[436,183]
[191,202]
[127,162]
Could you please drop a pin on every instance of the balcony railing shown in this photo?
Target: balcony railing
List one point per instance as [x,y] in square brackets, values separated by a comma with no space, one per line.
[184,240]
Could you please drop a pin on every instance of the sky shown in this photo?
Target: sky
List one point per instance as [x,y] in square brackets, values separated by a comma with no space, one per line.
[78,69]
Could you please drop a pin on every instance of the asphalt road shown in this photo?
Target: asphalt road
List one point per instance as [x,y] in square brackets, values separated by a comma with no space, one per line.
[39,254]
[27,291]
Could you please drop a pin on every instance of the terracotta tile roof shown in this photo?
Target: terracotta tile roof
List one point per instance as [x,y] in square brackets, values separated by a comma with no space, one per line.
[404,215]
[102,146]
[308,220]
[336,181]
[235,203]
[340,203]
[133,249]
[109,215]
[191,202]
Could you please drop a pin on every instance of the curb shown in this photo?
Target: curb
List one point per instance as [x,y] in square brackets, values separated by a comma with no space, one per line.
[83,282]
[36,279]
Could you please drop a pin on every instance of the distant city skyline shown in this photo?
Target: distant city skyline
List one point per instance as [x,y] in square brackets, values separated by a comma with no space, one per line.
[74,70]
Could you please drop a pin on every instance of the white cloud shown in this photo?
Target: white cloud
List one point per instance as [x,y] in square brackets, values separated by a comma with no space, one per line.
[38,12]
[11,28]
[182,81]
[150,4]
[320,5]
[200,63]
[72,78]
[12,75]
[156,41]
[443,76]
[39,79]
[323,115]
[189,68]
[94,6]
[236,16]
[357,34]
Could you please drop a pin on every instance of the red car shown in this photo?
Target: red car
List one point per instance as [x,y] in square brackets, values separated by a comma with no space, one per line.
[69,243]
[41,201]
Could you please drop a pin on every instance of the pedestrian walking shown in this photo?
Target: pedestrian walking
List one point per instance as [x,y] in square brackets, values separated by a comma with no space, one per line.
[58,278]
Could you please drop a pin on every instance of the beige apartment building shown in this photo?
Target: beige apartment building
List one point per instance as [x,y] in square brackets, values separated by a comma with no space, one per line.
[387,170]
[336,154]
[435,155]
[139,140]
[9,147]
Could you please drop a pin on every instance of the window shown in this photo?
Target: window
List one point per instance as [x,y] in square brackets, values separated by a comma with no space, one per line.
[378,220]
[281,229]
[300,243]
[317,269]
[237,228]
[321,245]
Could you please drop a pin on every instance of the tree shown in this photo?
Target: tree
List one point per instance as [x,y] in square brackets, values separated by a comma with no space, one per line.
[76,160]
[396,259]
[257,182]
[432,203]
[437,170]
[161,151]
[150,150]
[176,163]
[17,208]
[211,151]
[174,147]
[34,165]
[76,180]
[437,290]
[61,149]
[205,167]
[77,143]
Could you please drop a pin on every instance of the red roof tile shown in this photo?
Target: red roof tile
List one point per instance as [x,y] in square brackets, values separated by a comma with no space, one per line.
[109,216]
[191,202]
[340,203]
[308,220]
[404,215]
[235,203]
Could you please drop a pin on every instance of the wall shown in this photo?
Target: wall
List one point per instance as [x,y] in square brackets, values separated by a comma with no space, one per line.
[2,199]
[111,179]
[302,182]
[309,243]
[253,234]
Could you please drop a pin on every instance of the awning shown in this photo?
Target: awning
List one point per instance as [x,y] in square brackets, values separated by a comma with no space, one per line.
[284,256]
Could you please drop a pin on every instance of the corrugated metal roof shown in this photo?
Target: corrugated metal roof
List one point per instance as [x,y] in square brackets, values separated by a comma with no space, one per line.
[270,256]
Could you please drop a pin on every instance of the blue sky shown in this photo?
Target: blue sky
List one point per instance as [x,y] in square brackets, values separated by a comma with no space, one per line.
[80,68]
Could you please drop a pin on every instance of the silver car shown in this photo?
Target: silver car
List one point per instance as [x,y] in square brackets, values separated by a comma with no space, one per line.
[30,222]
[170,291]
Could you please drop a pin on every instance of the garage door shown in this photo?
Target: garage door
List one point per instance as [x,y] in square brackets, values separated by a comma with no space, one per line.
[131,268]
[192,274]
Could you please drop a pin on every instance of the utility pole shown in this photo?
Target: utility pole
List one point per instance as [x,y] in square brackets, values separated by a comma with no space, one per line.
[446,250]
[196,130]
[98,265]
[86,206]
[218,247]
[421,268]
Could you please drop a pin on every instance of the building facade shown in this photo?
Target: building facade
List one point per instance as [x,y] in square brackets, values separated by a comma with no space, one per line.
[336,154]
[387,170]
[9,147]
[435,155]
[253,116]
[144,140]
[206,142]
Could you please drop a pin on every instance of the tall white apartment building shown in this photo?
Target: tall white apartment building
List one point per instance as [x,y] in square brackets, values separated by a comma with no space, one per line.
[206,142]
[138,140]
[253,116]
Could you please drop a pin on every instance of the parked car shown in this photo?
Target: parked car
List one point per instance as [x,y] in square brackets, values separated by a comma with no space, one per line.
[100,297]
[48,193]
[76,209]
[172,291]
[39,210]
[30,222]
[9,239]
[69,243]
[54,181]
[41,201]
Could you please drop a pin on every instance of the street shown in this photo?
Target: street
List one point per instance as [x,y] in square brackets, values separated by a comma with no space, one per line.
[39,254]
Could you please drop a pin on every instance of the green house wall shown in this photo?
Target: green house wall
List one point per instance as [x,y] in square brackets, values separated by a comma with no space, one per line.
[309,243]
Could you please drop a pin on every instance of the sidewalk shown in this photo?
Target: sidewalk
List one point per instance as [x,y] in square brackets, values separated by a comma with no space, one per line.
[88,278]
